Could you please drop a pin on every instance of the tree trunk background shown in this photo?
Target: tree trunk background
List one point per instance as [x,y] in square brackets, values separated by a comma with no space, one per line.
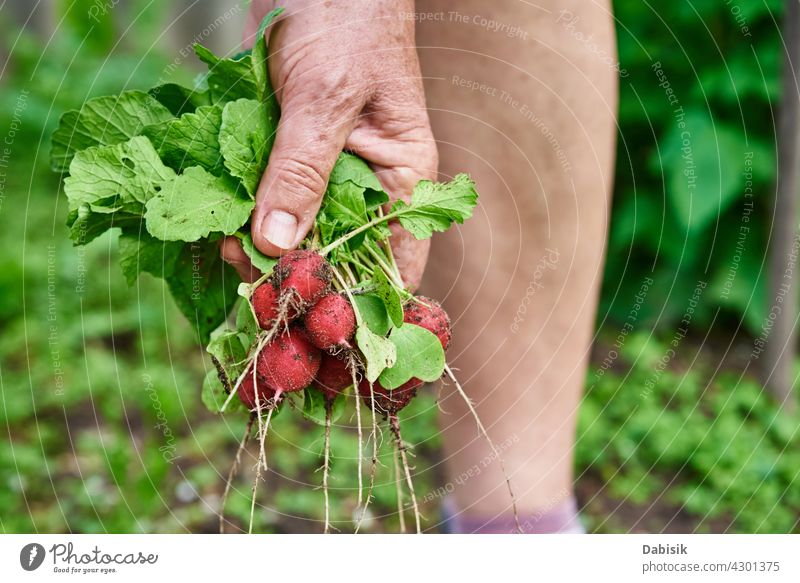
[781,346]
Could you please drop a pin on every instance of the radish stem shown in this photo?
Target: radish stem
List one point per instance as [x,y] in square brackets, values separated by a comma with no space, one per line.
[366,226]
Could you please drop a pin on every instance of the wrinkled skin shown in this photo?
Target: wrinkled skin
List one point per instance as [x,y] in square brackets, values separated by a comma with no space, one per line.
[346,75]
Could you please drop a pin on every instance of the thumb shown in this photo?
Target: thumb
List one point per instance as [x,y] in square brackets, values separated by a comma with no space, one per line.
[306,147]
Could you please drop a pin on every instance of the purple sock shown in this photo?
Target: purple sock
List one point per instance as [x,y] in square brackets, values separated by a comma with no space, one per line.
[560,519]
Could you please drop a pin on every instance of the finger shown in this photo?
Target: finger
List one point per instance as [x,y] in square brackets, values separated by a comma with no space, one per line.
[410,254]
[309,138]
[231,252]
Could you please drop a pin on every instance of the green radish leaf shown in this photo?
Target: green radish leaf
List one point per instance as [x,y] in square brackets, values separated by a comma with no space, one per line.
[327,228]
[296,399]
[245,290]
[245,138]
[120,177]
[190,140]
[314,406]
[260,261]
[379,352]
[419,354]
[344,203]
[194,205]
[226,346]
[375,198]
[373,313]
[139,252]
[435,206]
[389,296]
[85,225]
[246,324]
[204,287]
[350,167]
[179,99]
[228,355]
[214,394]
[259,58]
[103,121]
[228,79]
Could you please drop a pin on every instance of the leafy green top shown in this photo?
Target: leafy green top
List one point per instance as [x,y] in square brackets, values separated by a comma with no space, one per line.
[176,168]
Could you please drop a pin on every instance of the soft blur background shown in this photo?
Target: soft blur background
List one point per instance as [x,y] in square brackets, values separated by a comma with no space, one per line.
[100,383]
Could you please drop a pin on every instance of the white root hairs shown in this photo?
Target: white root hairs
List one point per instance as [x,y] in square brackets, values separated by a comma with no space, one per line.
[373,469]
[262,458]
[360,437]
[401,448]
[326,466]
[232,473]
[496,451]
[287,301]
[398,482]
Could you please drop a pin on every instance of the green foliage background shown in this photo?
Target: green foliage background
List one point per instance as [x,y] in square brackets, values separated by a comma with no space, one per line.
[725,81]
[100,382]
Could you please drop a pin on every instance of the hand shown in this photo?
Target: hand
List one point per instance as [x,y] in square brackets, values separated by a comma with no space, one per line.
[346,76]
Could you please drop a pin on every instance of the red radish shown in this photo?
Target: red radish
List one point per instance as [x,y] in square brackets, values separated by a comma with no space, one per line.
[389,401]
[331,322]
[289,362]
[304,274]
[247,392]
[333,376]
[266,305]
[432,317]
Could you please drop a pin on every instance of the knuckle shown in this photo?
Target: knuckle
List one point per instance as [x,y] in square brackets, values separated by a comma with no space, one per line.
[338,84]
[328,92]
[301,182]
[429,156]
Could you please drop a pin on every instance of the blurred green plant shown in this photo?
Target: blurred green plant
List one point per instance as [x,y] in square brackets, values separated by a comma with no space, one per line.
[696,159]
[713,446]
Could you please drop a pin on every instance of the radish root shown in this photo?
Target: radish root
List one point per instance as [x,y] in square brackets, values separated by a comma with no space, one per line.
[360,436]
[373,469]
[326,466]
[262,457]
[490,442]
[401,448]
[232,473]
[398,482]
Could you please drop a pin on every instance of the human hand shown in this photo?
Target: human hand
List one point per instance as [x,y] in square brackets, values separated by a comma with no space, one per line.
[346,76]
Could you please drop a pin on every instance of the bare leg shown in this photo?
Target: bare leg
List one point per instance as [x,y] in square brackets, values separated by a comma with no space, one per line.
[530,113]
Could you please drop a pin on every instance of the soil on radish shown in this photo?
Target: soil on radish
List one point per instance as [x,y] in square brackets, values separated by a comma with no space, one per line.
[389,402]
[331,322]
[305,274]
[289,362]
[333,376]
[247,391]
[432,317]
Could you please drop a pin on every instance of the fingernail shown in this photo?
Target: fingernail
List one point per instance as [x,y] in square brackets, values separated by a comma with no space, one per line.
[280,229]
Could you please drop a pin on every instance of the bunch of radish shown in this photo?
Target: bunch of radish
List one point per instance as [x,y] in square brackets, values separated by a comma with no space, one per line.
[308,317]
[175,170]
